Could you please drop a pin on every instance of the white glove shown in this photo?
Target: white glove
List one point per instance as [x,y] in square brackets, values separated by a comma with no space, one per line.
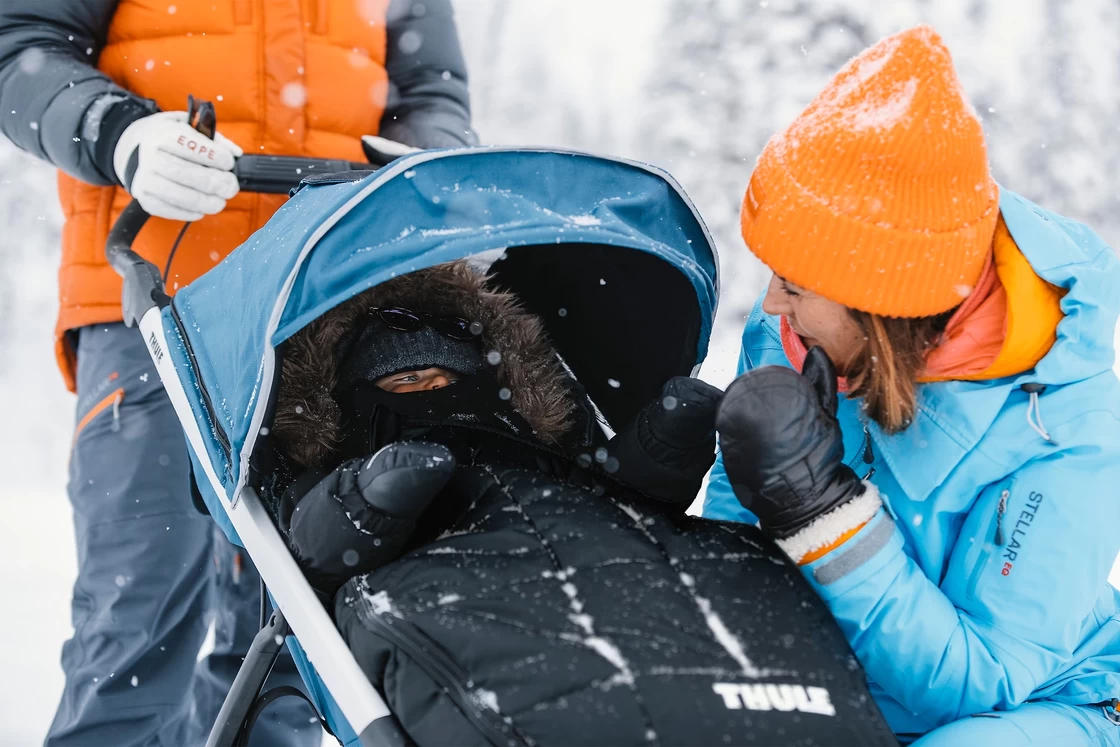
[180,174]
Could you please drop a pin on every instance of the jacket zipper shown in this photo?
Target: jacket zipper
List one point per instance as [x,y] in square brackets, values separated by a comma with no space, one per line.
[999,538]
[446,673]
[866,455]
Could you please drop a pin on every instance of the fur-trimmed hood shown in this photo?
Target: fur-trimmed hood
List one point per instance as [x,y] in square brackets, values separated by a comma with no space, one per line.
[307,424]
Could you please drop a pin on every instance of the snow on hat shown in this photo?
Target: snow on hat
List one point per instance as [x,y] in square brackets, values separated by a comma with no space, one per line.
[879,196]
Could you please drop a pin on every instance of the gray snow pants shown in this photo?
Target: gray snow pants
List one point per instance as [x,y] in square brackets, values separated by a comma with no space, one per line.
[152,574]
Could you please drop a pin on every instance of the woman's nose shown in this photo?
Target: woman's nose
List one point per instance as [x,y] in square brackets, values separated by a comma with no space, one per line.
[775,302]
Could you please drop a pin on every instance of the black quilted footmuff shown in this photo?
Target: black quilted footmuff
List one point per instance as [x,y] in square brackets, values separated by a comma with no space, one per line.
[546,613]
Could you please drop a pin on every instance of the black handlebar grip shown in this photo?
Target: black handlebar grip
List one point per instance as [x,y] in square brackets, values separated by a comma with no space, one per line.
[281,174]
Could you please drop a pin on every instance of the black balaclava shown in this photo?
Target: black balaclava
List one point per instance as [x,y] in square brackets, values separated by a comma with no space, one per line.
[467,416]
[472,410]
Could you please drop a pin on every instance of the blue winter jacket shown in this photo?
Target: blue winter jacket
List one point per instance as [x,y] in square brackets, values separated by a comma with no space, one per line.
[984,583]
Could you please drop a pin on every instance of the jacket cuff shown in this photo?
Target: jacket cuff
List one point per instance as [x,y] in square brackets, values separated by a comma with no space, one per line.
[831,528]
[105,121]
[867,552]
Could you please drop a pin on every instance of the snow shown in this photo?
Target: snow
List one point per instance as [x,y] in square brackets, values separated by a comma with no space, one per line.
[381,603]
[610,652]
[886,114]
[697,93]
[486,698]
[586,220]
[731,644]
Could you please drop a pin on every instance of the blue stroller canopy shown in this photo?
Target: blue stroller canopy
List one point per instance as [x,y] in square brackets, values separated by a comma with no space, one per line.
[610,253]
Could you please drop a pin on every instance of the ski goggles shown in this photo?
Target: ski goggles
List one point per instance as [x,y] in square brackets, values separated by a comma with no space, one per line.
[406,320]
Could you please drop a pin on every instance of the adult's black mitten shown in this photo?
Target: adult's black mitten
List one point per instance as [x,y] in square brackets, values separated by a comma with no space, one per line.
[666,450]
[360,516]
[782,446]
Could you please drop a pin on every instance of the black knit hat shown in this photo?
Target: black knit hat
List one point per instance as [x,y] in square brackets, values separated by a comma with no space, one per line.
[378,351]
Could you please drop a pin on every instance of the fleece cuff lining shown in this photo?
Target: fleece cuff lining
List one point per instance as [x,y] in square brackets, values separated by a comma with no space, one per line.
[826,529]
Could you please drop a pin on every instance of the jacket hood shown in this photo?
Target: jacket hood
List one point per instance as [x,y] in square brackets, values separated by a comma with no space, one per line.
[1070,256]
[308,420]
[1005,326]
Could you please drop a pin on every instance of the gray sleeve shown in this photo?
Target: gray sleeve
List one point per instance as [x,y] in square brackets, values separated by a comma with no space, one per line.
[428,106]
[48,82]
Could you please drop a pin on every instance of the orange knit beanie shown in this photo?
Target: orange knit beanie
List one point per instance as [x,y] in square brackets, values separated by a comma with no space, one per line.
[879,195]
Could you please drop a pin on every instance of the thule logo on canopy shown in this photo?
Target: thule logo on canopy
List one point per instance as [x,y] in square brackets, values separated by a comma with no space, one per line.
[770,697]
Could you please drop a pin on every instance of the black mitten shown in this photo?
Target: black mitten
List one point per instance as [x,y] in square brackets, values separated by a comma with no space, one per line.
[360,516]
[669,447]
[782,447]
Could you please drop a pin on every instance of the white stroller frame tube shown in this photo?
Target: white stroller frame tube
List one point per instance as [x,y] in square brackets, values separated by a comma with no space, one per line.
[359,700]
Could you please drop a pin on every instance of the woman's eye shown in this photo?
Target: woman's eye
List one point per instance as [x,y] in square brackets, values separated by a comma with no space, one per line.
[407,379]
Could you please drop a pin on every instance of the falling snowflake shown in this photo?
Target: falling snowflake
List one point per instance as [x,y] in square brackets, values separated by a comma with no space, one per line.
[410,42]
[31,60]
[493,357]
[294,94]
[615,383]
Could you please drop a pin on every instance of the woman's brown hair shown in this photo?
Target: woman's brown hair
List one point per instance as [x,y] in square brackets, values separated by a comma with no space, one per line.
[885,372]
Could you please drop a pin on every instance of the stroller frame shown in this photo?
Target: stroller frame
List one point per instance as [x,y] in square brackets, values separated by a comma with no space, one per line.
[143,302]
[143,299]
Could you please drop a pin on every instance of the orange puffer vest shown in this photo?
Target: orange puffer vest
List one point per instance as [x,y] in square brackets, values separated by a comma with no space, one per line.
[287,77]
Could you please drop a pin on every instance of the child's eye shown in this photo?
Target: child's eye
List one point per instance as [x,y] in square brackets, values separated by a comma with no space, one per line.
[407,379]
[789,291]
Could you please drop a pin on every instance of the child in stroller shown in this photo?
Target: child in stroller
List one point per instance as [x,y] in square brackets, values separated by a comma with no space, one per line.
[506,574]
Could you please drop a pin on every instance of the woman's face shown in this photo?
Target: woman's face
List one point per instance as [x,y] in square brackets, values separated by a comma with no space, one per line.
[816,320]
[424,380]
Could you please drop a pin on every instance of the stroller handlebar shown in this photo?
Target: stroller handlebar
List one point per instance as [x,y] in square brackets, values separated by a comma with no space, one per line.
[263,174]
[281,174]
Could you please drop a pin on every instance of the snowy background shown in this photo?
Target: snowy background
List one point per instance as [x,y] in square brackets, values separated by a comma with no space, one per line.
[695,86]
